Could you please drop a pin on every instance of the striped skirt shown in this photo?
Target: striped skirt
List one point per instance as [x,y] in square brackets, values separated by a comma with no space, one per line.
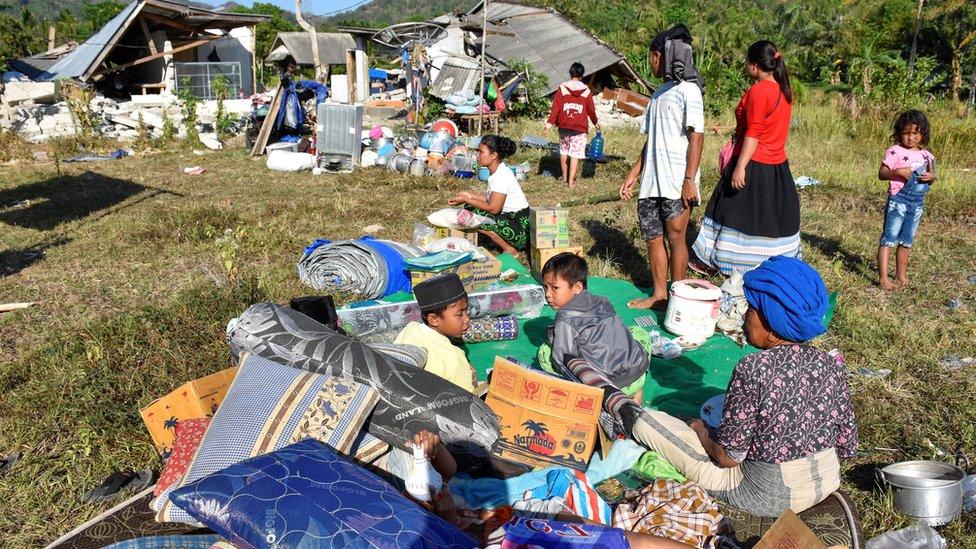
[743,228]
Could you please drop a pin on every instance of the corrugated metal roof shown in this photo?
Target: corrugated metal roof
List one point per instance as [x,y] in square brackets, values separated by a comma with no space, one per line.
[456,75]
[543,38]
[332,46]
[77,63]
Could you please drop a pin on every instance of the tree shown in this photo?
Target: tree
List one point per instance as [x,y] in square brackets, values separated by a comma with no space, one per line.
[955,23]
[266,31]
[21,35]
[99,13]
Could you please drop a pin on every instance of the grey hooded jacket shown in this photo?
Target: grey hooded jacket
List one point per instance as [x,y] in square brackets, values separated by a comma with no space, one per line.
[588,328]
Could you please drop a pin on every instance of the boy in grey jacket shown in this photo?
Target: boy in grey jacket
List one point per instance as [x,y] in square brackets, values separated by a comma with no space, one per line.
[587,327]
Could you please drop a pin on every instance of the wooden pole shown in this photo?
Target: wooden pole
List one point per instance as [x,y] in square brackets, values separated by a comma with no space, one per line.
[481,87]
[310,29]
[351,78]
[51,34]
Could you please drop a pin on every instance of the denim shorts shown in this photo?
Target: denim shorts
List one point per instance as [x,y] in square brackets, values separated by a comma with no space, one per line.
[901,222]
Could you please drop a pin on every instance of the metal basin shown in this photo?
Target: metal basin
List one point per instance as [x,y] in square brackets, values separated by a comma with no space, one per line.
[930,491]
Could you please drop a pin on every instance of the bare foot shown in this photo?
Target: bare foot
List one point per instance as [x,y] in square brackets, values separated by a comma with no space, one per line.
[654,302]
[885,284]
[902,282]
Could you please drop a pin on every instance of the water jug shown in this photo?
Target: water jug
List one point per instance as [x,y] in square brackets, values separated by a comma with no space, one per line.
[596,146]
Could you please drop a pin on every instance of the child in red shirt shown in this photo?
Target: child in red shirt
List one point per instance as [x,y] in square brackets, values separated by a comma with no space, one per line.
[572,109]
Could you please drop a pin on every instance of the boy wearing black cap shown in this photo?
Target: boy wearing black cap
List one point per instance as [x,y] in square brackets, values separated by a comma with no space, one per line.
[444,308]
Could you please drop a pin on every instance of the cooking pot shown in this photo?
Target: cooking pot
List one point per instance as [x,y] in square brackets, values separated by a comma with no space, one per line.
[930,491]
[693,308]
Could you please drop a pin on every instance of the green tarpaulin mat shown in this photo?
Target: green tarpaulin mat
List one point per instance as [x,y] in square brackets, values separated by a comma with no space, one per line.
[678,387]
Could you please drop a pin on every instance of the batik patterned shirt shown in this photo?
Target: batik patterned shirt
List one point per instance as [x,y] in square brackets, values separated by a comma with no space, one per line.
[786,403]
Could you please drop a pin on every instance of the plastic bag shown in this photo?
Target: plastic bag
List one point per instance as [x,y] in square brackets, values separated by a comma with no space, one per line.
[919,536]
[457,218]
[423,235]
[452,243]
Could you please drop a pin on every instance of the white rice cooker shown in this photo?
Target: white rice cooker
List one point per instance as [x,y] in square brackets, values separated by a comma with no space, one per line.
[693,308]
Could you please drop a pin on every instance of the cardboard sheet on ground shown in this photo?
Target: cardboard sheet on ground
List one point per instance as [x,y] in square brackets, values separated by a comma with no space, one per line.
[675,386]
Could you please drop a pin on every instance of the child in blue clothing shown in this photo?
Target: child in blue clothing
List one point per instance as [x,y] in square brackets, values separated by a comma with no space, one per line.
[910,170]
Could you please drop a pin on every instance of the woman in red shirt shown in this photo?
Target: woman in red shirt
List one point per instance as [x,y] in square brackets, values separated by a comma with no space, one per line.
[754,212]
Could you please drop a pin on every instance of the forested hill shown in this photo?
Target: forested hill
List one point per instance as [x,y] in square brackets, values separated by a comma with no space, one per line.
[379,13]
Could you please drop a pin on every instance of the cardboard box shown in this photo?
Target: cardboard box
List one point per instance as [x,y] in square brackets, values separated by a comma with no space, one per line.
[631,102]
[789,532]
[193,399]
[444,232]
[539,256]
[474,275]
[544,420]
[549,227]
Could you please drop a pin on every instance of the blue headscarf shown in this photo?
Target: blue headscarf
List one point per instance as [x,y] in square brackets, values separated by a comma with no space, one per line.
[790,295]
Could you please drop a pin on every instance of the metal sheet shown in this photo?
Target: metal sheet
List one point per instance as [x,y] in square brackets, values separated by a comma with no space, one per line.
[77,63]
[332,47]
[456,75]
[544,39]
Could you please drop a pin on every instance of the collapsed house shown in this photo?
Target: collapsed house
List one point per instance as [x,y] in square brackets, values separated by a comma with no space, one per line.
[157,45]
[543,38]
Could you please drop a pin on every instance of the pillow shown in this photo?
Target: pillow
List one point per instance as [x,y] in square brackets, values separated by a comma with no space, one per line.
[188,434]
[366,448]
[305,495]
[267,407]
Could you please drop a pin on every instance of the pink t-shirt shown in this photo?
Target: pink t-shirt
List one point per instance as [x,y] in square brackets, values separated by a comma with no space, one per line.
[899,157]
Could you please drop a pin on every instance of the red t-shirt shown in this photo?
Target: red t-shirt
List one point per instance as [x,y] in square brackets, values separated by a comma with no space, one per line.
[764,114]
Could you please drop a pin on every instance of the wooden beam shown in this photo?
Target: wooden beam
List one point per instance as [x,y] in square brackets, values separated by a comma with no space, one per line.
[155,56]
[353,88]
[170,22]
[269,121]
[149,38]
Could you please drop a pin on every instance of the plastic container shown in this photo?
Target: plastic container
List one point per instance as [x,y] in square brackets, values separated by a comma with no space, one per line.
[693,308]
[422,478]
[417,167]
[596,146]
[483,173]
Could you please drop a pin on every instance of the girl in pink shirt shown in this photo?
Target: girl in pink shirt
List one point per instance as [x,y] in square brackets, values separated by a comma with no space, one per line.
[910,170]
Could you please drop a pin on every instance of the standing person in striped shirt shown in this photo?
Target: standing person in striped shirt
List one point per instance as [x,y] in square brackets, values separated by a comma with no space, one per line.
[668,166]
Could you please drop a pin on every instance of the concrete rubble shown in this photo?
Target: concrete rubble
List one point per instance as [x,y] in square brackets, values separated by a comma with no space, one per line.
[120,120]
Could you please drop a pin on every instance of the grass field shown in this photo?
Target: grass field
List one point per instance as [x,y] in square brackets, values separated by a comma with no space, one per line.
[137,268]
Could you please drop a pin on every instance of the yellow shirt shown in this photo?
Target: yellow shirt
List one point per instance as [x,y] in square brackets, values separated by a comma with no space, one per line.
[444,359]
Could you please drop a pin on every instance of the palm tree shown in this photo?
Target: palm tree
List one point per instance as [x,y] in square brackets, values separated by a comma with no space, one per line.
[538,429]
[170,423]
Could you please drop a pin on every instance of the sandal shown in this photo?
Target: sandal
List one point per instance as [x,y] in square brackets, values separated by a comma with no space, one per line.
[118,483]
[705,270]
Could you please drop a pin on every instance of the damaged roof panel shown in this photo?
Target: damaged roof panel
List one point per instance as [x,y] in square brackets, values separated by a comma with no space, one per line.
[545,39]
[332,47]
[456,75]
[77,63]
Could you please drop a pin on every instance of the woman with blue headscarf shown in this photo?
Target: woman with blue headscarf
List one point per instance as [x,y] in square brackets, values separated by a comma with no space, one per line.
[787,417]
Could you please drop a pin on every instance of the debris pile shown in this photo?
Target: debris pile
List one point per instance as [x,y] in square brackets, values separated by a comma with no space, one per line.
[121,120]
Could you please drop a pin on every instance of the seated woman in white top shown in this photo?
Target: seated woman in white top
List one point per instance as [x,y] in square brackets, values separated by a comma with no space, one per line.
[504,202]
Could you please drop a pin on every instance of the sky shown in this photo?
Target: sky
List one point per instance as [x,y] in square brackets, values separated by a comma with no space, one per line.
[318,7]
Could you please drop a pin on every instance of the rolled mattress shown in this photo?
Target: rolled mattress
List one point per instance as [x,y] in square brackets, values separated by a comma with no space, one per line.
[411,399]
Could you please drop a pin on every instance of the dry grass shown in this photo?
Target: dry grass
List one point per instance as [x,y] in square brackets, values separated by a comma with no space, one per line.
[136,276]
